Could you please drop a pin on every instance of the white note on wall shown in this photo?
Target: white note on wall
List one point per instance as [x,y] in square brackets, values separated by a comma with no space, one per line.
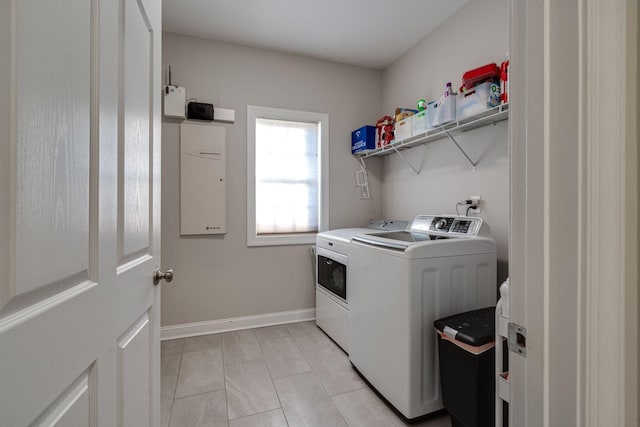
[202,179]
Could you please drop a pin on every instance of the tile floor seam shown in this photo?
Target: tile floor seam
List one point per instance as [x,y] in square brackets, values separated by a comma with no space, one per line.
[271,326]
[344,392]
[266,363]
[297,374]
[299,350]
[241,361]
[273,384]
[196,394]
[224,382]
[330,398]
[202,349]
[291,375]
[317,377]
[259,346]
[315,373]
[259,413]
[173,395]
[304,354]
[222,348]
[272,380]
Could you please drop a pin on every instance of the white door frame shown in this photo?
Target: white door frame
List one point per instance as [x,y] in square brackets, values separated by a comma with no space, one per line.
[611,248]
[574,199]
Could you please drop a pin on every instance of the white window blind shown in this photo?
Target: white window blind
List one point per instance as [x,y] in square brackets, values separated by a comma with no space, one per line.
[286,176]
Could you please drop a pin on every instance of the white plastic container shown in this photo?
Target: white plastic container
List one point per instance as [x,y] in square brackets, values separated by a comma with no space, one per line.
[476,100]
[403,129]
[431,113]
[420,122]
[445,110]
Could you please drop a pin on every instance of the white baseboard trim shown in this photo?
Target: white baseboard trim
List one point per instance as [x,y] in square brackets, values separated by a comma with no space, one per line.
[235,324]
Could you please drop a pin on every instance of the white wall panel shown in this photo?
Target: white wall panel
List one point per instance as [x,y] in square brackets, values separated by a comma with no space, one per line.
[203,195]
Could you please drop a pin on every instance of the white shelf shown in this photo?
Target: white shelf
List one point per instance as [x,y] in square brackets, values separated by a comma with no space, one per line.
[488,117]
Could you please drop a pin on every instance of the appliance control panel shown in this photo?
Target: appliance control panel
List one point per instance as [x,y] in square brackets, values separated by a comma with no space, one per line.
[387,224]
[449,225]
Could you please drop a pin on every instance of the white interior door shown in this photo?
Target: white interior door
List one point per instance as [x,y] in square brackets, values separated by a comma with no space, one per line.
[79,212]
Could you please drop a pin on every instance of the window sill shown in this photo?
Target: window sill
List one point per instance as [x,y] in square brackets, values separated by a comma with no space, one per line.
[285,240]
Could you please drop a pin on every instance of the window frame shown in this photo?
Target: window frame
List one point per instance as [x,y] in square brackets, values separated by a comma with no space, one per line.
[254,112]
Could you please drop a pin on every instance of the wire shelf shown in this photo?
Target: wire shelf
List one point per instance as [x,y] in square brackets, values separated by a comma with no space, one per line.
[488,117]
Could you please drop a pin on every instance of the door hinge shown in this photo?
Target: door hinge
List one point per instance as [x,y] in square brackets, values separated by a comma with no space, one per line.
[518,339]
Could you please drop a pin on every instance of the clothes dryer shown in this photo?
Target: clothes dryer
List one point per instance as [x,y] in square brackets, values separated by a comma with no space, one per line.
[332,290]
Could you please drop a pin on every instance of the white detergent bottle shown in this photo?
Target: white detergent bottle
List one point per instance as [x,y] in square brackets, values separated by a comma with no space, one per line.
[506,300]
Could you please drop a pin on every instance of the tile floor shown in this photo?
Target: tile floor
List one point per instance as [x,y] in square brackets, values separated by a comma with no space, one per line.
[286,375]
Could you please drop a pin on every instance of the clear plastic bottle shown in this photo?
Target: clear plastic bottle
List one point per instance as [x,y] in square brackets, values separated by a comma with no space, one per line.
[446,107]
[449,90]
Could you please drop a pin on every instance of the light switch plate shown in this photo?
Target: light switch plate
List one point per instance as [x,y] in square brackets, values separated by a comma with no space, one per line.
[224,115]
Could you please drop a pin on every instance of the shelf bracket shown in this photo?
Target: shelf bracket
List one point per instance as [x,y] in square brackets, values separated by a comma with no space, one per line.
[417,171]
[460,148]
[361,182]
[364,165]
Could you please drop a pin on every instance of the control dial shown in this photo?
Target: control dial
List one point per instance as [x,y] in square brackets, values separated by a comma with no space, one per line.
[440,224]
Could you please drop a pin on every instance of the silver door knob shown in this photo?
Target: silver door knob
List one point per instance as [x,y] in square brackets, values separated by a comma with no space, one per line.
[158,275]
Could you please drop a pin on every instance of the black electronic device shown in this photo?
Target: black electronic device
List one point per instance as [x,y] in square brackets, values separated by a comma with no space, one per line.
[200,111]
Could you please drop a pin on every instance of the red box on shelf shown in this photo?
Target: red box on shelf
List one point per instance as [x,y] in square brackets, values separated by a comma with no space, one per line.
[489,72]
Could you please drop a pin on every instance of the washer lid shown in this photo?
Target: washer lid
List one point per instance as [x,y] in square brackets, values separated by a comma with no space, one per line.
[434,235]
[396,239]
[344,235]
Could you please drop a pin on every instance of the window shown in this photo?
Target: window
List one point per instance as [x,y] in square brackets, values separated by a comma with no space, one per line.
[286,183]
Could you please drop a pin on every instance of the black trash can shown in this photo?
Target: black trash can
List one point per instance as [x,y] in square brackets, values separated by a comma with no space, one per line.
[466,348]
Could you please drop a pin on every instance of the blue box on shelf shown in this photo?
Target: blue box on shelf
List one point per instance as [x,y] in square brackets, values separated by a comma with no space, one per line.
[363,140]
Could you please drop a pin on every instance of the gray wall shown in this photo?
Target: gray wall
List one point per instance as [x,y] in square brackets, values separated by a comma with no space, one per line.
[476,35]
[220,277]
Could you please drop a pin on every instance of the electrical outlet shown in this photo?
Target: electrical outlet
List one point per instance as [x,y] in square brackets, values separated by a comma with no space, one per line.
[474,210]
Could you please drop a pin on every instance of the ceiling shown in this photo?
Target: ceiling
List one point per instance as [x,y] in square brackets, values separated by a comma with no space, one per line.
[367,33]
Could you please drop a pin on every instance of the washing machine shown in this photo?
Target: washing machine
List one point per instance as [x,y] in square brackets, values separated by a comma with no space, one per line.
[399,283]
[332,259]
